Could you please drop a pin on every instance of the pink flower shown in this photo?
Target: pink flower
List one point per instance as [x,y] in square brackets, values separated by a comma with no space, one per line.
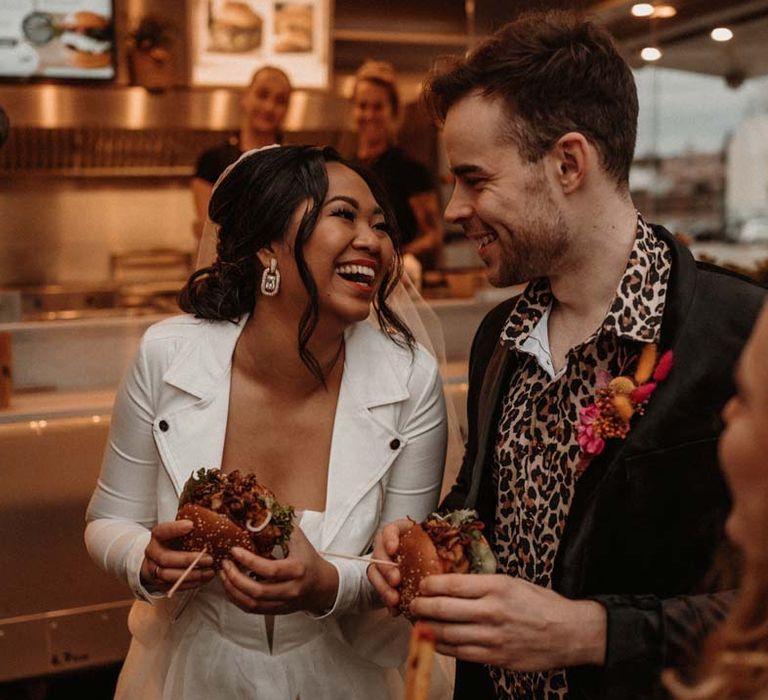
[664,367]
[643,393]
[589,441]
[588,414]
[603,378]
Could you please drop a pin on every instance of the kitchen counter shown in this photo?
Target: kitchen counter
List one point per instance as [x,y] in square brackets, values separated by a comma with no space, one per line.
[52,438]
[37,406]
[69,368]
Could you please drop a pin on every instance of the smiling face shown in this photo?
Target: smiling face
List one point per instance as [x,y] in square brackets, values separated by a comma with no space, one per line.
[372,109]
[744,446]
[265,102]
[347,254]
[505,204]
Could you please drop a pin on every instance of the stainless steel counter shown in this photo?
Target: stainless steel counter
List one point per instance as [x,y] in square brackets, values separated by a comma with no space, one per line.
[58,611]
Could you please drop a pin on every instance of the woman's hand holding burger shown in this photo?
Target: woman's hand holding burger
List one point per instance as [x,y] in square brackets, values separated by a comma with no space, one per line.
[163,566]
[386,579]
[243,529]
[302,581]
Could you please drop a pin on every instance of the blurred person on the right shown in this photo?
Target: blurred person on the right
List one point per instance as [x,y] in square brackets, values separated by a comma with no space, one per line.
[734,664]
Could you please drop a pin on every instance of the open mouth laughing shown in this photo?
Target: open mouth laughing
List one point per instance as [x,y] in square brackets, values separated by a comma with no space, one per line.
[361,273]
[486,240]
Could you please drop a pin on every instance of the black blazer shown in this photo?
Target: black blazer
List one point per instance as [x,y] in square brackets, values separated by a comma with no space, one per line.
[647,515]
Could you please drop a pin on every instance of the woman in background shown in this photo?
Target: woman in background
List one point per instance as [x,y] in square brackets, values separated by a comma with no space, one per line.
[276,371]
[410,186]
[264,105]
[735,661]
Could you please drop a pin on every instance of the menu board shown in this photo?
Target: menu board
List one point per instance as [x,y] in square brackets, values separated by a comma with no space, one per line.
[233,38]
[71,39]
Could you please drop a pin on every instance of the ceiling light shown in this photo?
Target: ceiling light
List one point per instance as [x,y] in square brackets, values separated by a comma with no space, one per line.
[721,34]
[664,12]
[650,53]
[642,9]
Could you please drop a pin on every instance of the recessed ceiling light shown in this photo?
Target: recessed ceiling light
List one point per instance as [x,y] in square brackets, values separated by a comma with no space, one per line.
[650,53]
[642,9]
[663,11]
[721,34]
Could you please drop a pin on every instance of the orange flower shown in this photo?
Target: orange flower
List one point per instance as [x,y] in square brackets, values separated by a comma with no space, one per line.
[623,406]
[622,385]
[646,363]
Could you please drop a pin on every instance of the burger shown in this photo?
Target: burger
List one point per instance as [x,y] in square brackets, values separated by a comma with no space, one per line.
[293,28]
[232,510]
[235,28]
[88,38]
[452,543]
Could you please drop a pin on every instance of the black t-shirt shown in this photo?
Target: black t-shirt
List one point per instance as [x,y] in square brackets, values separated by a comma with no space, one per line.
[402,178]
[214,161]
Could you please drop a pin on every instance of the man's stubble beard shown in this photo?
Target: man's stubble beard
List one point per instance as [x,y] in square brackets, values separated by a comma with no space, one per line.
[537,246]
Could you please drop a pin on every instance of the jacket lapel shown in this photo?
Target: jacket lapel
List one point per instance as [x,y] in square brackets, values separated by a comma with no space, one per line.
[645,433]
[363,446]
[365,425]
[494,383]
[195,414]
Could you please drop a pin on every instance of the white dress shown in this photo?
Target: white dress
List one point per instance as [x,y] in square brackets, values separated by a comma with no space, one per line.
[215,650]
[386,462]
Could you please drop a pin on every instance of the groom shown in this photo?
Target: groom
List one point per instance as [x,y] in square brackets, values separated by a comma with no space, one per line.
[594,397]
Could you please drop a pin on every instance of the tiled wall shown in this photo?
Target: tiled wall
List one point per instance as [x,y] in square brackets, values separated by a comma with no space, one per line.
[64,231]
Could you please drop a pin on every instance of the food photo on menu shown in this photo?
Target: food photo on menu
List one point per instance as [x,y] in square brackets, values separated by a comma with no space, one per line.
[234,27]
[58,39]
[237,26]
[293,27]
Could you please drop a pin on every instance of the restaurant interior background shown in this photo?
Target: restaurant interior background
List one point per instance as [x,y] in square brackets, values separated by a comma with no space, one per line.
[96,232]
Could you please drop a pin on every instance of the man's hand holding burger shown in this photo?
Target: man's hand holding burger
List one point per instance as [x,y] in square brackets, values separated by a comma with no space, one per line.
[505,621]
[301,581]
[163,566]
[478,615]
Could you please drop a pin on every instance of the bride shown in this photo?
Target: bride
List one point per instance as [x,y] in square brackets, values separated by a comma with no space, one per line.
[275,370]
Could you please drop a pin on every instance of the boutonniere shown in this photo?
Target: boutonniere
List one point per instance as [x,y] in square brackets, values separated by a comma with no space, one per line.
[617,400]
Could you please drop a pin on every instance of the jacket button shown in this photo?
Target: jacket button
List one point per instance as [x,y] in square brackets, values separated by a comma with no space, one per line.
[394,444]
[163,425]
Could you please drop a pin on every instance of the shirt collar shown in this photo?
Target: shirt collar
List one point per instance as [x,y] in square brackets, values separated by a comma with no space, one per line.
[530,307]
[637,307]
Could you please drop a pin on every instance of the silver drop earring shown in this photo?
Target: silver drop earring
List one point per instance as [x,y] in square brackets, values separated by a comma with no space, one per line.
[270,279]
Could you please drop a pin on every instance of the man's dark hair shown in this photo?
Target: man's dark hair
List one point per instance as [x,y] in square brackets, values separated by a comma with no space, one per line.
[253,206]
[5,126]
[555,73]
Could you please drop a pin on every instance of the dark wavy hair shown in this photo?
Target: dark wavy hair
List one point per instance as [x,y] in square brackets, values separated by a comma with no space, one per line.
[554,73]
[253,207]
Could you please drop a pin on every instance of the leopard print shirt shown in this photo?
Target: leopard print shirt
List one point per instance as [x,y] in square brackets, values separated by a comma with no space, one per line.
[536,445]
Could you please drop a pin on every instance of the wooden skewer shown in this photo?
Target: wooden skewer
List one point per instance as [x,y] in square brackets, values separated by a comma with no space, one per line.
[186,573]
[383,562]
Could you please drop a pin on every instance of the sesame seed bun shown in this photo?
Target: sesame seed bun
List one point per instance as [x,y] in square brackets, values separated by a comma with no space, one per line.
[83,20]
[213,532]
[416,558]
